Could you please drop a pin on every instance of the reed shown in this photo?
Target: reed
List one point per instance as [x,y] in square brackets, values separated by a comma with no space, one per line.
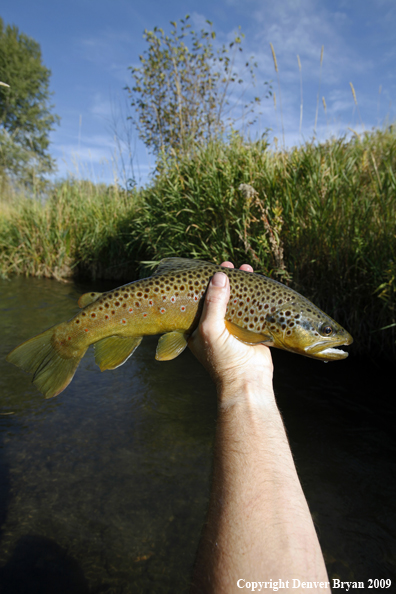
[320,81]
[320,217]
[279,90]
[78,227]
[301,92]
[332,207]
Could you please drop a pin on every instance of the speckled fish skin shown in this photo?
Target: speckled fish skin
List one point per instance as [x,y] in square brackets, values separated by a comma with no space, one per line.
[170,302]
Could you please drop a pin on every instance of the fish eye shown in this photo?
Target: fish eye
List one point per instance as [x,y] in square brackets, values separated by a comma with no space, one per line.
[327,330]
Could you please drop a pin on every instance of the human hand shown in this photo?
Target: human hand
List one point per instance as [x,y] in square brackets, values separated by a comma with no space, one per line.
[230,362]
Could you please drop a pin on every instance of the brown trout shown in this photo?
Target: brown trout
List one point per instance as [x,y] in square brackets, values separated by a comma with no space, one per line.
[169,302]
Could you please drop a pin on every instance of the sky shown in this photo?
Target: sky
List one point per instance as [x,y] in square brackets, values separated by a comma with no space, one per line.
[89,45]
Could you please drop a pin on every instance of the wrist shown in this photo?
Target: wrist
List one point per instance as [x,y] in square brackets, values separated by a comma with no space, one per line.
[249,394]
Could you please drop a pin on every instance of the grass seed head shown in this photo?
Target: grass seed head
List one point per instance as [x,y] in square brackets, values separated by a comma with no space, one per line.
[274,57]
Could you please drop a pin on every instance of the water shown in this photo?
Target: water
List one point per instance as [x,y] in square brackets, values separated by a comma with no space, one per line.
[104,488]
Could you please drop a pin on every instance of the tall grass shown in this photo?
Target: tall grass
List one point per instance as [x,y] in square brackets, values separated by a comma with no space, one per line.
[78,228]
[321,218]
[331,208]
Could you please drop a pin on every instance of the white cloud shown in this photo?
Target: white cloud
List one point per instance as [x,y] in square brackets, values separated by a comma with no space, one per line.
[111,50]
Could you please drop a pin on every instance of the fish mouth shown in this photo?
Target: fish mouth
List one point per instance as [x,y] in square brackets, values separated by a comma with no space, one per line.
[322,350]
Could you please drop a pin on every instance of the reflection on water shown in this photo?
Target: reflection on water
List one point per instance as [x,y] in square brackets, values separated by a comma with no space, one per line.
[104,488]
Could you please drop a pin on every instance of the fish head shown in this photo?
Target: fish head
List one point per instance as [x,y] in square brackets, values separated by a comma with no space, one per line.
[303,328]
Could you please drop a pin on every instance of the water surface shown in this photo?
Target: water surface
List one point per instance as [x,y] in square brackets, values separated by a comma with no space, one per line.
[104,488]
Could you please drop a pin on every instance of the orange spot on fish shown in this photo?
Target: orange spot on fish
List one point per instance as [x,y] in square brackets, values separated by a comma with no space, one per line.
[123,321]
[85,329]
[150,302]
[130,310]
[69,338]
[162,310]
[183,308]
[173,299]
[107,317]
[145,315]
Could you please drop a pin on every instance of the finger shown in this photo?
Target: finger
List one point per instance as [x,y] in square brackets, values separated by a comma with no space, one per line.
[215,305]
[246,267]
[227,265]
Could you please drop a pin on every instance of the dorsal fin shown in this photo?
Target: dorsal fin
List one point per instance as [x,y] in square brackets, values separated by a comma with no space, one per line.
[168,264]
[88,298]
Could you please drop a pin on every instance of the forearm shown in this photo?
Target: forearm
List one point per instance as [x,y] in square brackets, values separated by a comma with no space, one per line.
[259,526]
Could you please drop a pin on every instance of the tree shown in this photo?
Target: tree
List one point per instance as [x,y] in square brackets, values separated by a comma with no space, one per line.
[182,92]
[25,112]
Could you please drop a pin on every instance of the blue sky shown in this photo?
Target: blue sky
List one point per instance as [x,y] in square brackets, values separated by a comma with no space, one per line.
[89,44]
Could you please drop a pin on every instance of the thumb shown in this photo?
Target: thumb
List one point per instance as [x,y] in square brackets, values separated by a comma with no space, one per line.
[215,305]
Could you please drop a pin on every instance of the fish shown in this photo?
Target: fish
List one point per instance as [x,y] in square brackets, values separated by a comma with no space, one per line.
[169,303]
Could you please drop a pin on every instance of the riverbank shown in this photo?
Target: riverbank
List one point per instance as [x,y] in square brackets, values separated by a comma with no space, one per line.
[321,218]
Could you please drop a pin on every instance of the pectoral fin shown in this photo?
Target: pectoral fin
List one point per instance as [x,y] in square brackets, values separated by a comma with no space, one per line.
[88,298]
[170,345]
[112,352]
[247,336]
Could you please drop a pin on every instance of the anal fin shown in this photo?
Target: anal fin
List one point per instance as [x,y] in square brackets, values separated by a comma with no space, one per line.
[170,346]
[112,352]
[247,336]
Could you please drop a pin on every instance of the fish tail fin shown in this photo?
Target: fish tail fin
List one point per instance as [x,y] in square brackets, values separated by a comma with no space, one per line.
[52,372]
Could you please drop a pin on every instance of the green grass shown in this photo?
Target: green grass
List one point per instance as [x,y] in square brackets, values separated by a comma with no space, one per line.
[79,228]
[322,218]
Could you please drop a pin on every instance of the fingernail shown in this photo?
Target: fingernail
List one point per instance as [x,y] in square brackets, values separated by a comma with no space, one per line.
[219,280]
